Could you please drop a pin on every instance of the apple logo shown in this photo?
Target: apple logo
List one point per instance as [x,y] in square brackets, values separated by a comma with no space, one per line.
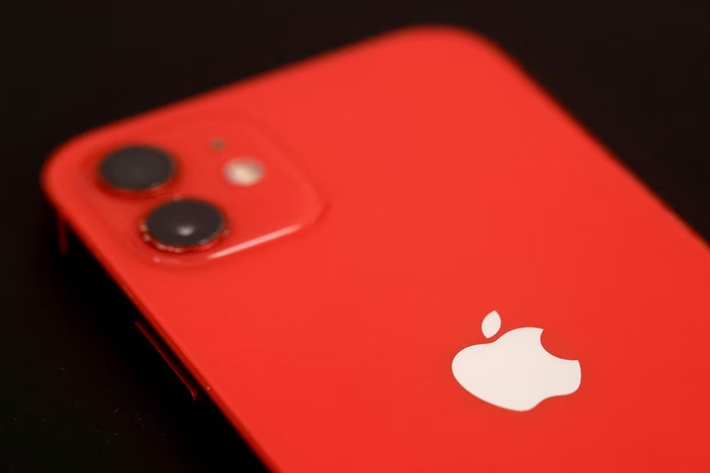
[514,372]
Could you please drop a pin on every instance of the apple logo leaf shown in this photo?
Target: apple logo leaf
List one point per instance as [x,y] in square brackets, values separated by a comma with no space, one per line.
[491,324]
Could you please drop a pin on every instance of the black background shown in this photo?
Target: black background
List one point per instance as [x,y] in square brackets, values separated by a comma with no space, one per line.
[80,389]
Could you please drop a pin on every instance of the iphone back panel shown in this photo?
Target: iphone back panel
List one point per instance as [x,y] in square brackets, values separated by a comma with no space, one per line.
[440,271]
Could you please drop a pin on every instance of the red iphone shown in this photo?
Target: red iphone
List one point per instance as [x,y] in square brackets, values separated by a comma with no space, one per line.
[405,257]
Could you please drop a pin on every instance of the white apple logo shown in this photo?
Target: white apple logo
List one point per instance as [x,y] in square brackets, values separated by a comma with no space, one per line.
[514,372]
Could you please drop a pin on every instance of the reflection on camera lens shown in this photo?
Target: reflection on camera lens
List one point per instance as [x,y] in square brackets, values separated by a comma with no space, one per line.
[184,224]
[137,168]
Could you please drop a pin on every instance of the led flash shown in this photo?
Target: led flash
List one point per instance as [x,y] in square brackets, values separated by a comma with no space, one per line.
[244,171]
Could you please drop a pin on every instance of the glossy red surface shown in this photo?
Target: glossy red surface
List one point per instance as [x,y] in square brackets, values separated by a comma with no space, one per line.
[452,186]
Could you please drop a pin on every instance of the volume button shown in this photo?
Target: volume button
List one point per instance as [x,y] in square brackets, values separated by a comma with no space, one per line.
[168,357]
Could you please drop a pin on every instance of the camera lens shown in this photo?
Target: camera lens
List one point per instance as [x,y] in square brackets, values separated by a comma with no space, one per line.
[184,224]
[137,168]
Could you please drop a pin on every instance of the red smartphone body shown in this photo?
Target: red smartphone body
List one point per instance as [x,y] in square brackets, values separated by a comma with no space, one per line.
[431,268]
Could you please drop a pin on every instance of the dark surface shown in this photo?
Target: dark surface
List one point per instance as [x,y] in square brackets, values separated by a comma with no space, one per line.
[81,390]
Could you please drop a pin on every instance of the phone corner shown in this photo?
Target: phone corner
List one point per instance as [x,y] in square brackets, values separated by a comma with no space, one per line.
[450,32]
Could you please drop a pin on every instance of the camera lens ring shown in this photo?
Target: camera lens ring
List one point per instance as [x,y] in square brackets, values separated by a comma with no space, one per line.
[137,168]
[184,224]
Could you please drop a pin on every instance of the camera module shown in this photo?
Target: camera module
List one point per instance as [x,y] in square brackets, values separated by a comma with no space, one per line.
[137,168]
[183,224]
